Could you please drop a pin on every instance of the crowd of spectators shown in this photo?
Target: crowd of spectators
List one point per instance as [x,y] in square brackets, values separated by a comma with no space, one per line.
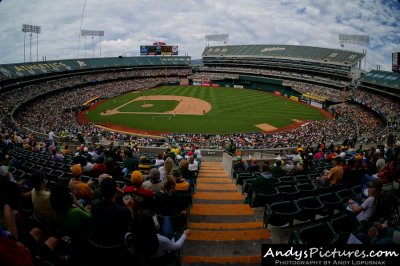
[54,113]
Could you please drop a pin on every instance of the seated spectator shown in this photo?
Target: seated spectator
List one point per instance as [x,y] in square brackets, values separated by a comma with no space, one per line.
[110,222]
[65,150]
[33,242]
[154,183]
[387,174]
[40,198]
[239,164]
[80,190]
[113,169]
[333,176]
[186,174]
[181,183]
[144,165]
[370,208]
[165,170]
[193,166]
[159,160]
[130,164]
[99,167]
[144,241]
[71,217]
[10,192]
[277,169]
[168,202]
[289,167]
[254,166]
[143,198]
[56,155]
[264,183]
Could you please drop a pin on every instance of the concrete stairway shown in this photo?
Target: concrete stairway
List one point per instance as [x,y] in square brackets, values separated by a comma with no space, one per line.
[224,229]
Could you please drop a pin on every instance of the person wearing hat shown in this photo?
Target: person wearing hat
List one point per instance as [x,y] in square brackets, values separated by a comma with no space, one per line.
[142,197]
[335,175]
[81,190]
[154,183]
[369,208]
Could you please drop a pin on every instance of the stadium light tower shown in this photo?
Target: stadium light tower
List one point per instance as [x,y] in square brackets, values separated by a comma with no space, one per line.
[92,33]
[362,40]
[31,29]
[217,38]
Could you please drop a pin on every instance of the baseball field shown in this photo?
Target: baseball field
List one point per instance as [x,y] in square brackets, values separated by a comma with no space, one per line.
[195,109]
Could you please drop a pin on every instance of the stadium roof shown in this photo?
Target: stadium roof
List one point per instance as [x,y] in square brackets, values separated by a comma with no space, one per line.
[58,66]
[382,78]
[292,52]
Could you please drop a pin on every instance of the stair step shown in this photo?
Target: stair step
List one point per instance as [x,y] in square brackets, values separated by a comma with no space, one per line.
[220,219]
[212,170]
[215,187]
[213,174]
[221,195]
[221,209]
[257,225]
[242,235]
[205,180]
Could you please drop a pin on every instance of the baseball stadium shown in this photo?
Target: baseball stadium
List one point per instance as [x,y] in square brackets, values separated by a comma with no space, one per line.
[255,146]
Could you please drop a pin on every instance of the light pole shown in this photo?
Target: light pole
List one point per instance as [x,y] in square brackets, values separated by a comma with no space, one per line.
[31,29]
[92,33]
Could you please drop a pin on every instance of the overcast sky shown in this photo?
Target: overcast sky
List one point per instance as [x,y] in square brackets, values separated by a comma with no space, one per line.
[127,24]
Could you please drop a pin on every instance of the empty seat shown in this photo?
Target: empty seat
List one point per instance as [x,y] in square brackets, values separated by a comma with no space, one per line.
[323,189]
[310,207]
[307,189]
[316,234]
[346,194]
[346,224]
[332,201]
[302,179]
[280,213]
[260,200]
[286,180]
[242,176]
[246,185]
[288,192]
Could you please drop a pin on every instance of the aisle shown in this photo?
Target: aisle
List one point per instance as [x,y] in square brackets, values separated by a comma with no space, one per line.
[224,229]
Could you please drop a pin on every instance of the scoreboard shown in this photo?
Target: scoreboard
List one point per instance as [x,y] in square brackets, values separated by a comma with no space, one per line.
[158,50]
[396,62]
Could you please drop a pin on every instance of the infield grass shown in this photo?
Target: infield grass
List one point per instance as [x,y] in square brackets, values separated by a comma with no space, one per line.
[233,111]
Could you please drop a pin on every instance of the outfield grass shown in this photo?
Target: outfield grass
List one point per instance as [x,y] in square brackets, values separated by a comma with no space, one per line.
[233,111]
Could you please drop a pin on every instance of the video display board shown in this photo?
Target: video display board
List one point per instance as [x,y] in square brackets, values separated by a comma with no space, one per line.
[158,50]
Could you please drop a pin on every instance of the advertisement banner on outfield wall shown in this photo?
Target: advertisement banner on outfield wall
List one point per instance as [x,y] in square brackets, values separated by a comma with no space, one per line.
[184,82]
[294,98]
[215,85]
[278,93]
[238,86]
[318,105]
